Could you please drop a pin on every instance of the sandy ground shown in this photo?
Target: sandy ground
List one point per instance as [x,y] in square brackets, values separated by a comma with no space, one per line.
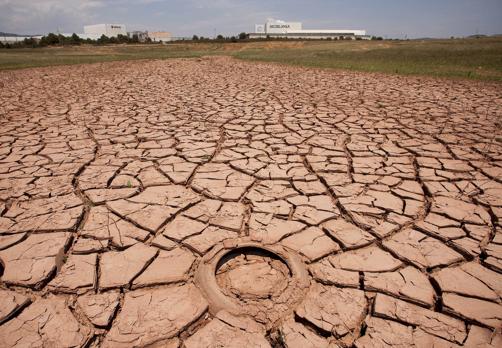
[212,202]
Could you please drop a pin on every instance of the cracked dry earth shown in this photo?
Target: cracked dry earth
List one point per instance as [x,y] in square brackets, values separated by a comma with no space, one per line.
[118,179]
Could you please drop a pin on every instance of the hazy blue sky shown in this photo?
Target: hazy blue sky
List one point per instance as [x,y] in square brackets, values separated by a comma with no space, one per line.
[392,18]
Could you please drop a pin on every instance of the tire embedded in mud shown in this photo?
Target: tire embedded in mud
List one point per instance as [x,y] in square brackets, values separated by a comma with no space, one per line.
[242,277]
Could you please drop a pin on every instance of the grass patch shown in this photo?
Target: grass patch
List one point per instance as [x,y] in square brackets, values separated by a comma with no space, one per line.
[473,59]
[50,56]
[479,59]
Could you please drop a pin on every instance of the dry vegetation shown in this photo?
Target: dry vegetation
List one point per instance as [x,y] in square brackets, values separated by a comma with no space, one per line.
[460,58]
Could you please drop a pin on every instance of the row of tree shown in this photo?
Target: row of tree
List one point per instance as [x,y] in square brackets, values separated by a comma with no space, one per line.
[221,38]
[244,36]
[52,39]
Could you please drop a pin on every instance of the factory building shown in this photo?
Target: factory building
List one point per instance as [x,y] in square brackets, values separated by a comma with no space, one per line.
[160,36]
[14,39]
[141,35]
[95,31]
[294,30]
[110,30]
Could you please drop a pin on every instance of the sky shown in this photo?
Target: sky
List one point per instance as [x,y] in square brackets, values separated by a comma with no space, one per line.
[387,18]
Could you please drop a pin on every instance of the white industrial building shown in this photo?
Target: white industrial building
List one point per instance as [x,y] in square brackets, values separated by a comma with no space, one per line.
[141,35]
[160,36]
[95,31]
[293,30]
[14,39]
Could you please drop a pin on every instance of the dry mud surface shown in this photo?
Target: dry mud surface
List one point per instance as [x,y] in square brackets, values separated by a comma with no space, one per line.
[118,181]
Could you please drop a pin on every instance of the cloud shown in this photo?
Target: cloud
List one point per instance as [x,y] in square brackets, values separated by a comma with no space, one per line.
[229,17]
[34,16]
[182,17]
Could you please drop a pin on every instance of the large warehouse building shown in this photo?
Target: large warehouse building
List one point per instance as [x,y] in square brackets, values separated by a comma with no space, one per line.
[95,31]
[160,36]
[110,30]
[293,30]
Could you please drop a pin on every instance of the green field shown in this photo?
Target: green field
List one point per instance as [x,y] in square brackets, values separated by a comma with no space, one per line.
[479,59]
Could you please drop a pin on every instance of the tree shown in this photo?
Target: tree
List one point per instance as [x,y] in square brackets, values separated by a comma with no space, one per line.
[220,37]
[30,42]
[75,39]
[243,36]
[49,39]
[125,39]
[103,40]
[195,38]
[62,40]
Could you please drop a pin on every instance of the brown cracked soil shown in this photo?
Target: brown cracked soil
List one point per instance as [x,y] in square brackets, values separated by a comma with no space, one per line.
[119,180]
